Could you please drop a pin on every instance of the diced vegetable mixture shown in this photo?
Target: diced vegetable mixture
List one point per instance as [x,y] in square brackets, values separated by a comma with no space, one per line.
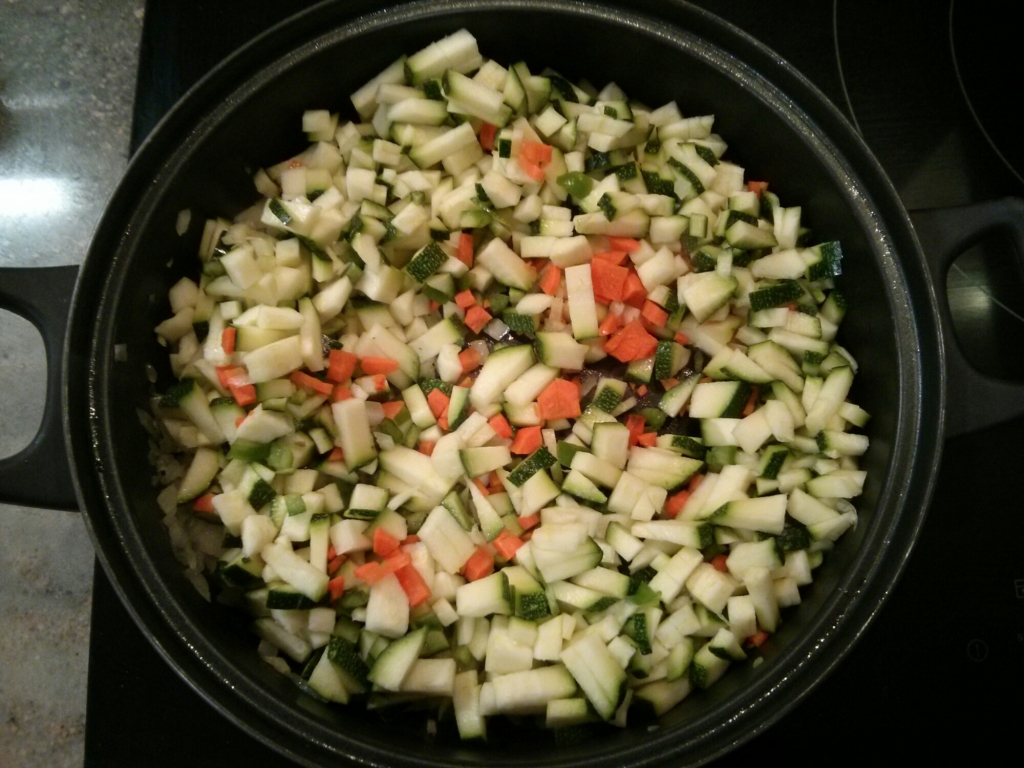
[513,395]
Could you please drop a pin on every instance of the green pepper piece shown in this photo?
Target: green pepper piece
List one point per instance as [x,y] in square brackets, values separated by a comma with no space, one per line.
[576,183]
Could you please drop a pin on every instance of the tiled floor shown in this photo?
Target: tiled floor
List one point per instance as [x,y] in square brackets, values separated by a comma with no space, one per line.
[67,78]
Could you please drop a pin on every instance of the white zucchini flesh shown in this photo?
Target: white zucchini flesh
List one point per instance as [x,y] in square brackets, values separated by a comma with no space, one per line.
[387,611]
[582,307]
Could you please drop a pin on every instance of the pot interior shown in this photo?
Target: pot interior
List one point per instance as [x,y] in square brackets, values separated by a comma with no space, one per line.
[210,174]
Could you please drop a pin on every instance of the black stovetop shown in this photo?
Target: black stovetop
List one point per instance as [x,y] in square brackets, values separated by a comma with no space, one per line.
[943,664]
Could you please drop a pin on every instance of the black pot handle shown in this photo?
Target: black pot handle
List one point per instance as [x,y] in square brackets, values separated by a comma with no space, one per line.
[40,475]
[974,400]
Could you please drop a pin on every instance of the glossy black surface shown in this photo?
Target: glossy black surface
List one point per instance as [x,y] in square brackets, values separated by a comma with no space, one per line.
[912,673]
[40,474]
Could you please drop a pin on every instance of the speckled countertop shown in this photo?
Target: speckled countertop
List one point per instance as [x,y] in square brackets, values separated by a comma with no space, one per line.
[67,79]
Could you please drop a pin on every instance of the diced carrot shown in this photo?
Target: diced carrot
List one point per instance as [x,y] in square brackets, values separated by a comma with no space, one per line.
[470,359]
[647,439]
[238,377]
[526,537]
[529,521]
[374,365]
[757,186]
[681,338]
[438,402]
[227,339]
[608,279]
[371,572]
[434,306]
[654,314]
[481,486]
[465,252]
[615,257]
[244,394]
[632,342]
[528,440]
[204,503]
[225,373]
[380,382]
[634,293]
[706,380]
[609,325]
[341,365]
[334,563]
[336,455]
[236,380]
[397,559]
[487,133]
[341,392]
[383,542]
[495,485]
[534,158]
[627,244]
[331,552]
[426,447]
[755,394]
[392,408]
[641,390]
[304,380]
[442,422]
[676,502]
[535,151]
[757,639]
[465,299]
[532,169]
[559,400]
[635,424]
[669,383]
[507,544]
[694,483]
[412,538]
[476,318]
[550,279]
[413,585]
[719,563]
[479,565]
[575,381]
[336,587]
[500,426]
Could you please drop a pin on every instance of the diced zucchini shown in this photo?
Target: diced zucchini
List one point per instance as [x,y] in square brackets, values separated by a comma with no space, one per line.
[393,665]
[506,265]
[597,673]
[499,371]
[485,597]
[719,399]
[708,292]
[354,430]
[426,261]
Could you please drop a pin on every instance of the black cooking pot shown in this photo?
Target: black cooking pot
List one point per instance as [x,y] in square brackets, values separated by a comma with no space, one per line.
[201,158]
